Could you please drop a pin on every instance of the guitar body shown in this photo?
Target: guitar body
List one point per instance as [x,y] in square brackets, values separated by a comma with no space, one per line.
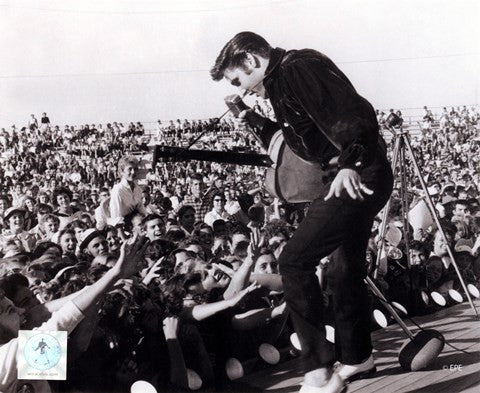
[291,178]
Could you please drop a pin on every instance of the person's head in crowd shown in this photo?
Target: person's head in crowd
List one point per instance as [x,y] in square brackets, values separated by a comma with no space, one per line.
[178,190]
[4,204]
[245,201]
[128,168]
[218,202]
[153,226]
[78,227]
[67,241]
[439,243]
[461,209]
[266,263]
[15,219]
[29,204]
[256,215]
[186,217]
[46,247]
[196,185]
[16,287]
[462,193]
[62,196]
[163,204]
[204,233]
[87,219]
[93,243]
[13,247]
[103,194]
[50,224]
[175,234]
[43,198]
[184,261]
[194,245]
[219,228]
[133,223]
[418,253]
[112,238]
[212,277]
[240,243]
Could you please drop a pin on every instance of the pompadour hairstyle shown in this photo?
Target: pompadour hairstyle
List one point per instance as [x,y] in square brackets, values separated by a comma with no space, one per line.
[235,52]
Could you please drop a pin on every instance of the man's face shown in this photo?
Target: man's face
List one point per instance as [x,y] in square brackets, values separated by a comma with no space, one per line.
[68,242]
[154,229]
[97,246]
[129,172]
[247,78]
[16,221]
[460,210]
[439,245]
[196,187]
[63,200]
[103,195]
[416,257]
[51,226]
[218,203]
[137,224]
[113,241]
[266,264]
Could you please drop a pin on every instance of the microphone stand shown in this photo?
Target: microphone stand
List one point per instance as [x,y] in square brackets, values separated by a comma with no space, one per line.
[401,147]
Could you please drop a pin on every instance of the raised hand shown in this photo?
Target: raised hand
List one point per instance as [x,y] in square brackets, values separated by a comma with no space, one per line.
[170,327]
[131,259]
[153,272]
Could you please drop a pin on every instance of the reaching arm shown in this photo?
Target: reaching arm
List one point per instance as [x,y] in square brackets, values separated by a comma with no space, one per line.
[178,369]
[203,311]
[259,317]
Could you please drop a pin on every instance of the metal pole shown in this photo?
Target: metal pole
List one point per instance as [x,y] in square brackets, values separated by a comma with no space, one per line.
[386,210]
[390,309]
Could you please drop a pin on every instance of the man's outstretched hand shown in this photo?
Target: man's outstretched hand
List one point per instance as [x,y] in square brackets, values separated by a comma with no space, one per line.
[349,180]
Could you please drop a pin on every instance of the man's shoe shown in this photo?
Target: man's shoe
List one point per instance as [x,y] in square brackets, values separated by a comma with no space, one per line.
[352,372]
[334,385]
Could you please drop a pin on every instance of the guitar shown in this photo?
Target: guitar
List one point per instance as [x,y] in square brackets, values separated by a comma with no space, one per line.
[288,177]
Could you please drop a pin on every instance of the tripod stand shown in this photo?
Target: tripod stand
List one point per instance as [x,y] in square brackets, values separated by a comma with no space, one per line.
[401,148]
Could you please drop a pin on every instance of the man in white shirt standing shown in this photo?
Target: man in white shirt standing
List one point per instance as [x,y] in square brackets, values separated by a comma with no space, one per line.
[126,195]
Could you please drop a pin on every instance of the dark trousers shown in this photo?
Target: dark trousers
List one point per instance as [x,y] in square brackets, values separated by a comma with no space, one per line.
[339,227]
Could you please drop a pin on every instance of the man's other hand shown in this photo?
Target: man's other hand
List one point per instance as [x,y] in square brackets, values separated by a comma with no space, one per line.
[349,180]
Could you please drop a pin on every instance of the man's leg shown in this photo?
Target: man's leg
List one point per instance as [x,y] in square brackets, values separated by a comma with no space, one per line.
[351,303]
[327,226]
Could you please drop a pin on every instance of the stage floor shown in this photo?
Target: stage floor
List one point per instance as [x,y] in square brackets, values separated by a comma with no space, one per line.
[453,371]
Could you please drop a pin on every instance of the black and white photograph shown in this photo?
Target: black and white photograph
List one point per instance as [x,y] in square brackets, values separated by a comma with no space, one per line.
[239,196]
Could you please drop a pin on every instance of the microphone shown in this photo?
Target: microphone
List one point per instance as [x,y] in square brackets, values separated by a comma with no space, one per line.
[235,104]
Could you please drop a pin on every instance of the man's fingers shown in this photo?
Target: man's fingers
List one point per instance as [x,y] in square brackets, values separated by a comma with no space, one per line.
[352,192]
[330,193]
[366,190]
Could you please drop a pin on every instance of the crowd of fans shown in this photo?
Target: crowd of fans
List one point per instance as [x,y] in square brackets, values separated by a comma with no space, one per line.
[169,274]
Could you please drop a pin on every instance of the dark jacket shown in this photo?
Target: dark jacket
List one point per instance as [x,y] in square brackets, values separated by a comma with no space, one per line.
[318,109]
